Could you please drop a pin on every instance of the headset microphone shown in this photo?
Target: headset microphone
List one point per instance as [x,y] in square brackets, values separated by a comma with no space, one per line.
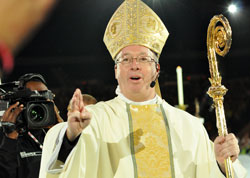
[152,84]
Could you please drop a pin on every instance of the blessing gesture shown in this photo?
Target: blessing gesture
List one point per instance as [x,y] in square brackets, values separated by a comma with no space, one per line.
[78,116]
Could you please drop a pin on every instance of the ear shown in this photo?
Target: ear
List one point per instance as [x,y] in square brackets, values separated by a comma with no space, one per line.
[115,68]
[158,68]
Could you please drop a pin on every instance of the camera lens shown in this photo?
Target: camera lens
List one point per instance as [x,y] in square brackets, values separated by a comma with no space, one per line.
[37,112]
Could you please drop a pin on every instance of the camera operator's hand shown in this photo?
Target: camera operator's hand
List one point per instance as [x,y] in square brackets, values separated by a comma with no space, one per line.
[78,116]
[10,115]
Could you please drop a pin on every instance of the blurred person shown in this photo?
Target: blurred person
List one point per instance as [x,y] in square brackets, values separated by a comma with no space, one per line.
[21,147]
[244,142]
[244,139]
[136,134]
[18,20]
[87,99]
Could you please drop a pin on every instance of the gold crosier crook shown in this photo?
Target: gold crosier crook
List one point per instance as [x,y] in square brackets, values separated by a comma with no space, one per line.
[219,39]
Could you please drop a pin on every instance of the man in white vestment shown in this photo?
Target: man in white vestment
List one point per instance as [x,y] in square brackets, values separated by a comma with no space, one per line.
[137,134]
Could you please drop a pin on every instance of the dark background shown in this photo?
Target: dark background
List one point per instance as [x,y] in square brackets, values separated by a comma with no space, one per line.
[68,50]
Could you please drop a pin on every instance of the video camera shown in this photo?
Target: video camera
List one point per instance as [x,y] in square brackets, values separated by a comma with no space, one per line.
[38,106]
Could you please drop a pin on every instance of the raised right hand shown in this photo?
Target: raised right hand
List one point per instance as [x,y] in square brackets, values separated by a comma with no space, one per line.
[78,116]
[10,115]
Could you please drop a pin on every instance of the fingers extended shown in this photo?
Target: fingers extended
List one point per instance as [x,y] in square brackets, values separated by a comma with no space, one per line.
[76,100]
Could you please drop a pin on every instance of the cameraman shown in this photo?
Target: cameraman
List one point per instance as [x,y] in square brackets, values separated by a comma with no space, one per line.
[21,149]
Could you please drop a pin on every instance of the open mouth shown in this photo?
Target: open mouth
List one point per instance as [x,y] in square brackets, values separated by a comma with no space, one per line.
[135,78]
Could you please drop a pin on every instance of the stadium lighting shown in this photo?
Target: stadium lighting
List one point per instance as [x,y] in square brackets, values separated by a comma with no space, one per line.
[232,8]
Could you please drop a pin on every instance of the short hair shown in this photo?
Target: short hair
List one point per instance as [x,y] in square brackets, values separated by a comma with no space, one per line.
[87,99]
[30,77]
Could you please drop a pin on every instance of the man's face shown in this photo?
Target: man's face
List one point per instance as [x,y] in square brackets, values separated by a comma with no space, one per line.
[135,77]
[36,85]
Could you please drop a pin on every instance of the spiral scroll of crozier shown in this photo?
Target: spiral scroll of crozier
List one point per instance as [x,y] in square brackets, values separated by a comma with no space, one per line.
[219,39]
[219,42]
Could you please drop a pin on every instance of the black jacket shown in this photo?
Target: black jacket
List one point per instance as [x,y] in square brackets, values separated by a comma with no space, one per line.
[20,158]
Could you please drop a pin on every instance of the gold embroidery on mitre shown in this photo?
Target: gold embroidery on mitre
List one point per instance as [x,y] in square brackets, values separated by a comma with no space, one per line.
[134,23]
